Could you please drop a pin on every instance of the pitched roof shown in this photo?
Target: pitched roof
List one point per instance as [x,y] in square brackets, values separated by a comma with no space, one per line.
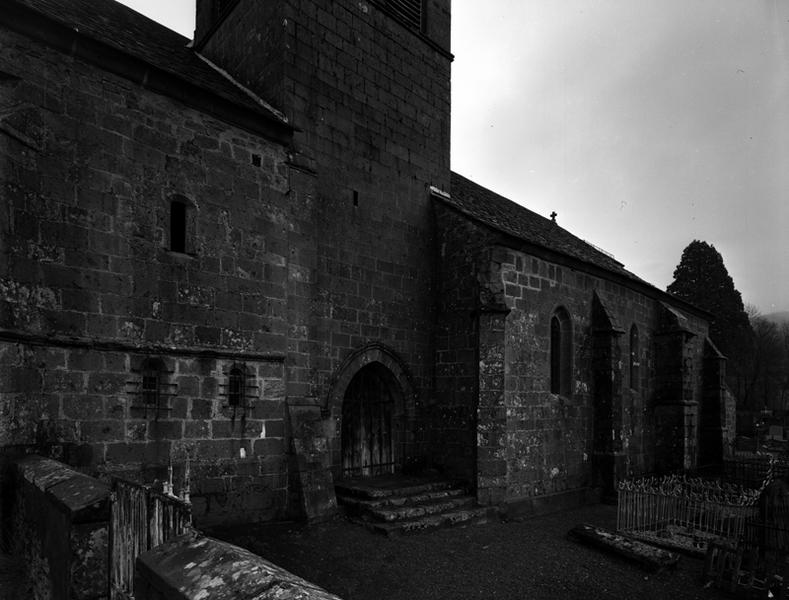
[127,31]
[510,218]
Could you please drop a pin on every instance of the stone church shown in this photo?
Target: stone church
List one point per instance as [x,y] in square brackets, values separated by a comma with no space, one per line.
[246,256]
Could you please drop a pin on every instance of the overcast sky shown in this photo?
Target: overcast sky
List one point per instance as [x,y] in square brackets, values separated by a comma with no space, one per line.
[644,124]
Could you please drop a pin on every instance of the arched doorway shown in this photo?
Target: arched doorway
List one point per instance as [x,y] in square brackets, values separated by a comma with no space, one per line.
[370,407]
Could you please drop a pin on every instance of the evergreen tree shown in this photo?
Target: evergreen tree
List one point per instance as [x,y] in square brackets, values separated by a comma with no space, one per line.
[701,278]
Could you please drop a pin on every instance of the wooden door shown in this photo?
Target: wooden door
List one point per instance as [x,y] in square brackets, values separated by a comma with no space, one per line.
[368,406]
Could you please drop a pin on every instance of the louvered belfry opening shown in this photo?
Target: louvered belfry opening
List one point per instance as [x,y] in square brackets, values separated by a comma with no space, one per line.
[407,11]
[368,419]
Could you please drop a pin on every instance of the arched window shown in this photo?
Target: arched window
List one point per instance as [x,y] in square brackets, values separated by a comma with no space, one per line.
[182,225]
[634,357]
[561,352]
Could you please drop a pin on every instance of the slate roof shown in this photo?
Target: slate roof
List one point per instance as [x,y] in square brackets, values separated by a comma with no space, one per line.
[510,218]
[135,35]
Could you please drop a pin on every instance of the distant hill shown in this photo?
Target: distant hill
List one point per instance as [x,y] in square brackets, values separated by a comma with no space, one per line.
[779,317]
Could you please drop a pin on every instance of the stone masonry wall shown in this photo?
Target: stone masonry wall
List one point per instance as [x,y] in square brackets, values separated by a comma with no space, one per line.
[60,530]
[370,100]
[455,445]
[532,442]
[549,435]
[83,406]
[373,101]
[89,286]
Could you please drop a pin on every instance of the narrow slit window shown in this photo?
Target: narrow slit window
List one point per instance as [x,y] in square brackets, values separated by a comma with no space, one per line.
[178,214]
[152,382]
[150,389]
[236,387]
[634,358]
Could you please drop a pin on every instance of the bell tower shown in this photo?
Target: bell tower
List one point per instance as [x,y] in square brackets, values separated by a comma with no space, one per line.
[366,83]
[366,86]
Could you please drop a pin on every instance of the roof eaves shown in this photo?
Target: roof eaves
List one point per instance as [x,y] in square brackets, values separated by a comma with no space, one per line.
[70,40]
[252,95]
[439,193]
[522,240]
[631,280]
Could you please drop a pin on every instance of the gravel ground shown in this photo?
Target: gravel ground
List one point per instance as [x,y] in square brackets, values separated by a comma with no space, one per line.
[529,559]
[11,578]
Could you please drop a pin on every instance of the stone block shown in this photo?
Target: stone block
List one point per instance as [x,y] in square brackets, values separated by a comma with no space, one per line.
[217,449]
[170,429]
[197,429]
[202,408]
[210,336]
[188,385]
[267,409]
[170,571]
[100,431]
[107,383]
[136,453]
[274,428]
[82,407]
[227,428]
[268,447]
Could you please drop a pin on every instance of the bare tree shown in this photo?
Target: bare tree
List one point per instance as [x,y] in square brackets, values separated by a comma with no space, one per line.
[766,364]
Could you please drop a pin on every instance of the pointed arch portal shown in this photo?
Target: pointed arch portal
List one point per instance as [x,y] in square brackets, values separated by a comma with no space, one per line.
[369,407]
[373,397]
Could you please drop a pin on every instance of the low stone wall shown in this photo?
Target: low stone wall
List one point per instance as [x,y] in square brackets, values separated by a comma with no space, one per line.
[60,530]
[193,567]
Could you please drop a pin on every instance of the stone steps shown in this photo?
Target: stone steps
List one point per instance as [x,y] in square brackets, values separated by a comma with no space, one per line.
[392,486]
[422,509]
[475,516]
[364,504]
[401,505]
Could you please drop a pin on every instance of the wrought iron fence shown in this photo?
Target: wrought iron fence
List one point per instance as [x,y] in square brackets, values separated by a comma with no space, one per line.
[684,513]
[755,567]
[141,519]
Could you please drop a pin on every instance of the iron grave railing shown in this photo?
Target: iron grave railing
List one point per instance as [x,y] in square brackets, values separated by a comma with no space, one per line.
[757,564]
[684,513]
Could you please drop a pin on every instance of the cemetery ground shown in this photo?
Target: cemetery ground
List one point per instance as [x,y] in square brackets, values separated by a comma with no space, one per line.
[530,558]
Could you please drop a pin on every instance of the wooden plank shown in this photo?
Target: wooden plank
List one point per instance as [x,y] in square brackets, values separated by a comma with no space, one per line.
[141,519]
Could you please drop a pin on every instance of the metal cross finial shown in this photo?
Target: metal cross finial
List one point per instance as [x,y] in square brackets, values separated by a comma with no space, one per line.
[553,216]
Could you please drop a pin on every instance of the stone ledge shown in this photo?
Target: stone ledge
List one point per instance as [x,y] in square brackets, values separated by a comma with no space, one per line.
[649,557]
[193,566]
[82,497]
